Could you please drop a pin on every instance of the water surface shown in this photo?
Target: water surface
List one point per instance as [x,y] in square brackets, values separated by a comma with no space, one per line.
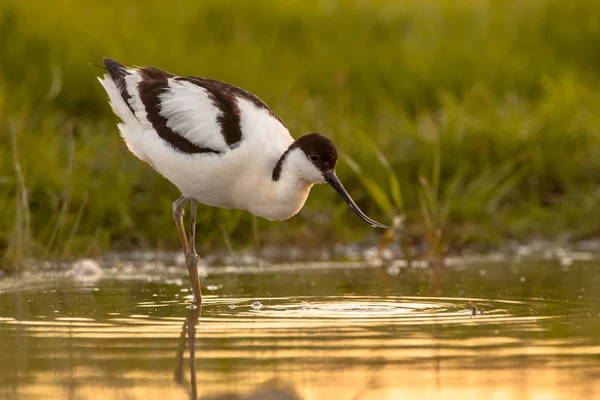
[304,331]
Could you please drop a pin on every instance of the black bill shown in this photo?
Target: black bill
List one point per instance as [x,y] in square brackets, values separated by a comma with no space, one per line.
[333,180]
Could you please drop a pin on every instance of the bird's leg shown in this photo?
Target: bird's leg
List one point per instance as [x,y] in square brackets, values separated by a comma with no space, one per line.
[190,261]
[178,212]
[192,256]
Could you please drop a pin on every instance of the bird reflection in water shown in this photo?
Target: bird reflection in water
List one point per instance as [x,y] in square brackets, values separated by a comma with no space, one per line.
[270,390]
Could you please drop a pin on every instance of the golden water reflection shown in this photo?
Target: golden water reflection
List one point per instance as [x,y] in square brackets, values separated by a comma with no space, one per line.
[122,342]
[282,363]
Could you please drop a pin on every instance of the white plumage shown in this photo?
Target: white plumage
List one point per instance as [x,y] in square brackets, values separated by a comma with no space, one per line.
[130,128]
[233,179]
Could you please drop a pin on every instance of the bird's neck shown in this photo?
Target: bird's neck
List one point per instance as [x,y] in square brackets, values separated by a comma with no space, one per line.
[279,166]
[277,199]
[289,193]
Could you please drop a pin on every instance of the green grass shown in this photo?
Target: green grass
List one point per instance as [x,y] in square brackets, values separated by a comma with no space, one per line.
[486,113]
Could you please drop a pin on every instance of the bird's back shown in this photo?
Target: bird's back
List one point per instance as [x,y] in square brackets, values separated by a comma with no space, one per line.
[201,134]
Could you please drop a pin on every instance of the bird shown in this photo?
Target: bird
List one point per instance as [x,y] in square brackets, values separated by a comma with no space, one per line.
[220,145]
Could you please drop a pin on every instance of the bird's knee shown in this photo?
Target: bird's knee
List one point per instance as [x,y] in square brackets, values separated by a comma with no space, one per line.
[192,257]
[179,208]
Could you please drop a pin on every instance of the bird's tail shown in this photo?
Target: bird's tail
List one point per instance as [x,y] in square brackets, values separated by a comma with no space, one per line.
[116,87]
[118,72]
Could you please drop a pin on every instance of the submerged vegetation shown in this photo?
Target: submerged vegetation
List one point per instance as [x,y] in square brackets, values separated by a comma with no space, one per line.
[477,121]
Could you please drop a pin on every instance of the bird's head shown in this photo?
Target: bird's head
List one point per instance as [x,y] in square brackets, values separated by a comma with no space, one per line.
[313,157]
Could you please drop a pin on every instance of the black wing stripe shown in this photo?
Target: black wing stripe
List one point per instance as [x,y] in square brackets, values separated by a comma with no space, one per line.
[224,96]
[224,100]
[155,82]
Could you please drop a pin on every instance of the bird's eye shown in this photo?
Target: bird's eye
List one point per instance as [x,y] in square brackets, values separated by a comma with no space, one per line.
[314,157]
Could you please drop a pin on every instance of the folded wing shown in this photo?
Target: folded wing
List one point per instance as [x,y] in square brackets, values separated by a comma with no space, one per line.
[194,115]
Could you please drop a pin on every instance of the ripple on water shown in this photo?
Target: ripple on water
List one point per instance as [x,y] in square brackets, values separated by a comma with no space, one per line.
[324,312]
[224,313]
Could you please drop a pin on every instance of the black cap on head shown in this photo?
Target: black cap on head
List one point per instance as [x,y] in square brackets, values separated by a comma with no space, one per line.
[319,149]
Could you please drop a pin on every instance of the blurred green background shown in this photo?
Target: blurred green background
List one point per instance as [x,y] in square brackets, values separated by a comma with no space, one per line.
[478,120]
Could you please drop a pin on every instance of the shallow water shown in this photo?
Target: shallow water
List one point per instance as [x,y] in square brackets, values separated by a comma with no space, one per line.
[305,331]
